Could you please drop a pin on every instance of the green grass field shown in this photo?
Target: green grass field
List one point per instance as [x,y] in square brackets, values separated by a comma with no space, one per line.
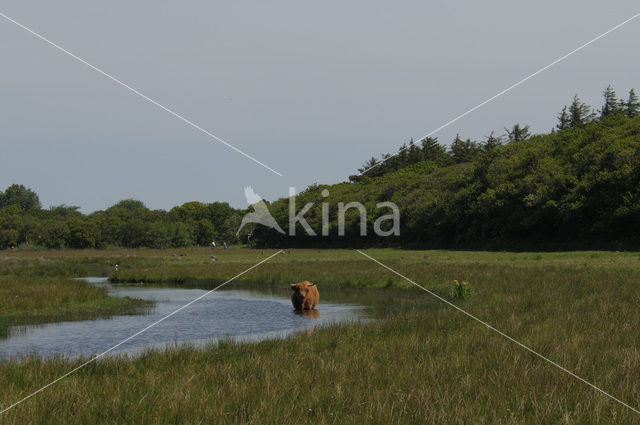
[424,363]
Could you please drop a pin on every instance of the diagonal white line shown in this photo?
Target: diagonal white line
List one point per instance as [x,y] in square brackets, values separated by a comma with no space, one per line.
[501,333]
[480,105]
[93,359]
[112,78]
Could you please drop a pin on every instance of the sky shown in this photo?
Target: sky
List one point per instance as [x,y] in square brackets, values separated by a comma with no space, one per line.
[311,89]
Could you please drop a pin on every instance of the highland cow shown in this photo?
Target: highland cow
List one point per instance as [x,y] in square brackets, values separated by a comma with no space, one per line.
[305,295]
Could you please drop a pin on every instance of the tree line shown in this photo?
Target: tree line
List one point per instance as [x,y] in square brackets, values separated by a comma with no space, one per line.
[575,115]
[128,223]
[578,185]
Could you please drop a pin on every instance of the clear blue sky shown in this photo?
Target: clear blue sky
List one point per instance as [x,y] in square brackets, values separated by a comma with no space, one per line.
[312,89]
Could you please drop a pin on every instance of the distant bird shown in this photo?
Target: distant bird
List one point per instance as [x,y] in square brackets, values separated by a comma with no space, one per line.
[260,214]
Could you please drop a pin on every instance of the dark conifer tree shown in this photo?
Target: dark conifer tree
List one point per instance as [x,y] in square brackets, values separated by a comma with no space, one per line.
[563,119]
[632,105]
[464,150]
[403,155]
[434,151]
[611,103]
[579,113]
[368,164]
[415,155]
[492,142]
[517,133]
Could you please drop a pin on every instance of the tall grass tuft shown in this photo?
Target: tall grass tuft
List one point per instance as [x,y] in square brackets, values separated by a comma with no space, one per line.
[461,290]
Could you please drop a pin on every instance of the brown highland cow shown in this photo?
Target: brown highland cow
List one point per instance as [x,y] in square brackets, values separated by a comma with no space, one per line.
[305,295]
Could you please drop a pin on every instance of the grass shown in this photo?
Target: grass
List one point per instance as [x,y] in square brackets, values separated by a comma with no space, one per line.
[345,268]
[38,289]
[423,363]
[48,299]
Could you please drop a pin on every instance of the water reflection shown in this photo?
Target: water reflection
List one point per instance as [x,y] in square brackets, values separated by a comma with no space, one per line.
[308,314]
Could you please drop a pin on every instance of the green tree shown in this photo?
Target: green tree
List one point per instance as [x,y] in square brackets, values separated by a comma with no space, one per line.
[83,233]
[10,221]
[109,229]
[8,238]
[414,154]
[230,227]
[192,211]
[203,232]
[55,234]
[610,106]
[365,166]
[368,164]
[492,142]
[30,229]
[517,133]
[63,210]
[130,205]
[17,194]
[464,150]
[219,212]
[433,151]
[133,232]
[632,105]
[181,235]
[159,235]
[564,120]
[579,113]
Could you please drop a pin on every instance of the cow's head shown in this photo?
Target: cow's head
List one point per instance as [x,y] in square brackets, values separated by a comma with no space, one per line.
[302,288]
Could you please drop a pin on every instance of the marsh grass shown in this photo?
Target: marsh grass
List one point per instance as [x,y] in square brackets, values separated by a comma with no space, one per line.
[419,367]
[34,300]
[425,363]
[36,287]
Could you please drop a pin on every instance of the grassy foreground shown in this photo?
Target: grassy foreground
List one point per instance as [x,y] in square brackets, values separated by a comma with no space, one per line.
[427,365]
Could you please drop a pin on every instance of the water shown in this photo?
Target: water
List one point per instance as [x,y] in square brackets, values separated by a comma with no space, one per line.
[223,314]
